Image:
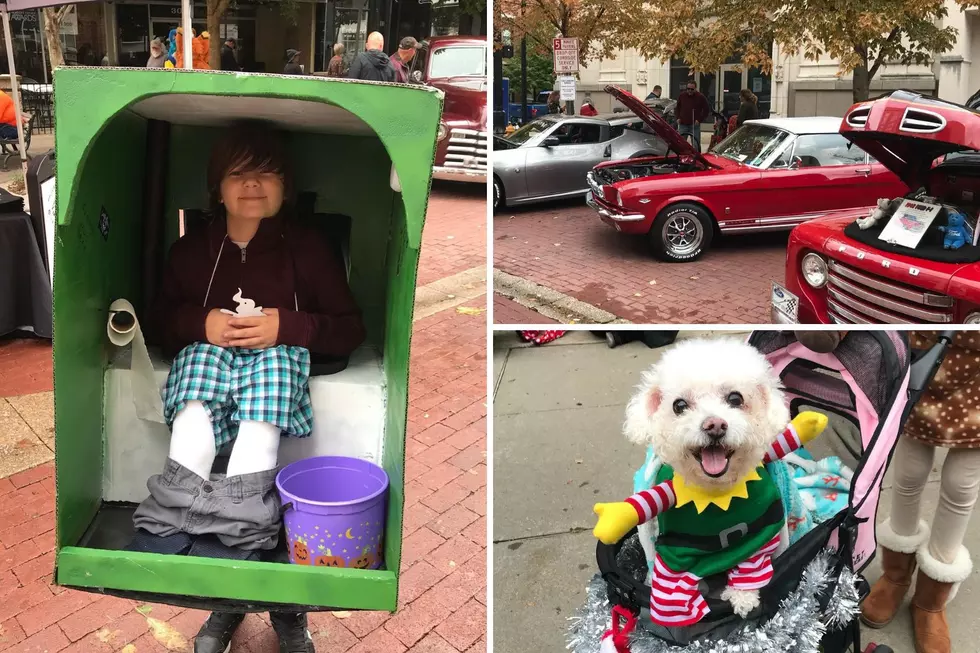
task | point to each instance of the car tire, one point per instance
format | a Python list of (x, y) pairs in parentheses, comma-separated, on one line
[(681, 233), (499, 198)]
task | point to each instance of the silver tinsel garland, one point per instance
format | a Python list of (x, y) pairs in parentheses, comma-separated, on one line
[(799, 625)]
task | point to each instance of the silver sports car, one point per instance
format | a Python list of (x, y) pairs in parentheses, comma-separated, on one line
[(549, 157)]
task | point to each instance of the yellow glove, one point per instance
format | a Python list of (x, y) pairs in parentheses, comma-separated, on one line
[(615, 521), (809, 425)]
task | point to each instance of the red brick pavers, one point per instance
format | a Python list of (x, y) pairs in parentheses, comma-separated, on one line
[(455, 235), (507, 311), (565, 247), (25, 366), (442, 594)]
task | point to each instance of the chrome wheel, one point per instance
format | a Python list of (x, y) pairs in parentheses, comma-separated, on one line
[(682, 234), (496, 194)]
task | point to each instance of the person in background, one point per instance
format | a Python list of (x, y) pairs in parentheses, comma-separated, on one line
[(157, 54), (372, 64), (554, 105), (655, 93), (8, 118), (749, 109), (587, 108), (336, 66), (692, 108), (229, 57), (292, 63), (401, 59)]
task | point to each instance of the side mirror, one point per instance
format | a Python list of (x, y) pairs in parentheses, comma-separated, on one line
[(608, 151), (551, 141), (417, 76), (796, 163)]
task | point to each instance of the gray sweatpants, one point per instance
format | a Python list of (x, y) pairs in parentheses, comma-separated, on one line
[(242, 511)]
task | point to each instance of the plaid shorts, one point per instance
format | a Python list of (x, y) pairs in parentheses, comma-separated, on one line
[(236, 384)]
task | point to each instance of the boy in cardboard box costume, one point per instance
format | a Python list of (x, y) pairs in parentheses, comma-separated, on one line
[(245, 301)]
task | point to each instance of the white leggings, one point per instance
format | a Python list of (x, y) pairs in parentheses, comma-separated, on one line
[(959, 486)]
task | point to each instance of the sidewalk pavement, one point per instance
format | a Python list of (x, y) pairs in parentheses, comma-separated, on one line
[(558, 449), (443, 587)]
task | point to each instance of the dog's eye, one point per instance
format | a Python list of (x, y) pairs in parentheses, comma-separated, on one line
[(680, 406), (735, 399)]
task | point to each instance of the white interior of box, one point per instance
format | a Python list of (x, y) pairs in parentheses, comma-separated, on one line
[(348, 420), (285, 113)]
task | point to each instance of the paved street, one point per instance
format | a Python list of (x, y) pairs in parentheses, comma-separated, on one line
[(558, 448), (442, 593), (564, 246)]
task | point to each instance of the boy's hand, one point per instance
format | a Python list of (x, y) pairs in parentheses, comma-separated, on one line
[(615, 521), (254, 332), (216, 327)]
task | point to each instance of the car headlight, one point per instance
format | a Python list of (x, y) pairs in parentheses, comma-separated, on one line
[(443, 132), (814, 270), (972, 318)]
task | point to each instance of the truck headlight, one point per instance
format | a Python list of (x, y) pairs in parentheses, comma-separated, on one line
[(972, 318), (443, 132), (814, 270)]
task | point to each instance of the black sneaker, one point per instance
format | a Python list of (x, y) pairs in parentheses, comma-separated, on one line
[(293, 632), (215, 635)]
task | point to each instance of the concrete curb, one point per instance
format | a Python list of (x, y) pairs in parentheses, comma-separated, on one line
[(550, 303)]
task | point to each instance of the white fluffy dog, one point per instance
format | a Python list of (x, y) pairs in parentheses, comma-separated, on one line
[(713, 411), (700, 381)]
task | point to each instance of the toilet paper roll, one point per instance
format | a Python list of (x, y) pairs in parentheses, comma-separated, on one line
[(124, 329)]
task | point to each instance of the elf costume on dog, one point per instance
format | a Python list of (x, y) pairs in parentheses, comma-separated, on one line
[(703, 532)]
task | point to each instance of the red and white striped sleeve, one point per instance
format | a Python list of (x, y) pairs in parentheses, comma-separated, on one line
[(650, 503), (787, 442)]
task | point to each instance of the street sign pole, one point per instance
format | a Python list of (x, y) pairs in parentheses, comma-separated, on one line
[(566, 63)]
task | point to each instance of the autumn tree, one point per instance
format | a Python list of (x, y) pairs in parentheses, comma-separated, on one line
[(602, 26), (215, 12), (53, 17), (862, 36)]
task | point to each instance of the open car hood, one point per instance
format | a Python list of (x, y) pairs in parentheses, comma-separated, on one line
[(659, 126), (907, 132)]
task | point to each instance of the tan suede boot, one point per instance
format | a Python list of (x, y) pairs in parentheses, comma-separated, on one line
[(898, 566), (935, 586)]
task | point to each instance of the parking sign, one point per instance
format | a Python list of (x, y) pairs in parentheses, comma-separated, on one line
[(566, 55)]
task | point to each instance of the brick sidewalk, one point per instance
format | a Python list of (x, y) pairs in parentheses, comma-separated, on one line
[(507, 311), (442, 594), (456, 240), (564, 246)]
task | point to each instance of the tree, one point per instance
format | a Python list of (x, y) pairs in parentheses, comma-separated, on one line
[(540, 73), (53, 17), (602, 26), (862, 36), (216, 11)]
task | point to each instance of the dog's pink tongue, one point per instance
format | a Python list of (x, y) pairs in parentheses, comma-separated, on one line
[(713, 460)]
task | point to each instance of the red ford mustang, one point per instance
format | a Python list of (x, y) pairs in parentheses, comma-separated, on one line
[(768, 175)]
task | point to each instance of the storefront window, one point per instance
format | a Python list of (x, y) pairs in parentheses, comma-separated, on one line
[(81, 34)]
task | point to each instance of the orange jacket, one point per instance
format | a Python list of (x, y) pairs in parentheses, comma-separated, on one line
[(8, 114)]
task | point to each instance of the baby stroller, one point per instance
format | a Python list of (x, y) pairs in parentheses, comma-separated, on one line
[(870, 382)]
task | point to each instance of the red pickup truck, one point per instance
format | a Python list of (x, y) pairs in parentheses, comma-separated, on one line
[(839, 273), (457, 65)]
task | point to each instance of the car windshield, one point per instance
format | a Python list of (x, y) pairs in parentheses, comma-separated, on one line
[(530, 130), (752, 144), (458, 61)]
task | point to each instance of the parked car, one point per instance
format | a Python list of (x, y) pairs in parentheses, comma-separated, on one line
[(837, 273), (768, 175), (457, 65), (548, 158)]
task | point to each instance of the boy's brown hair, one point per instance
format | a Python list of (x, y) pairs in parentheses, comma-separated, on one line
[(248, 146)]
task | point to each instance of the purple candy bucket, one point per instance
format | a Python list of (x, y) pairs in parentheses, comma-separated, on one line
[(334, 511)]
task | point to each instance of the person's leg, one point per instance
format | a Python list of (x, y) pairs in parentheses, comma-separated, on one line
[(292, 629), (696, 133), (192, 441), (900, 535), (216, 633), (256, 448), (944, 562)]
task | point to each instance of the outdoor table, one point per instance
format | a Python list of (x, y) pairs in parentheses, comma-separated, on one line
[(25, 288)]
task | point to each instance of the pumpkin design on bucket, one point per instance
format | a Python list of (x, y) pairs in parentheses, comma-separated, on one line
[(363, 561), (329, 560), (301, 553)]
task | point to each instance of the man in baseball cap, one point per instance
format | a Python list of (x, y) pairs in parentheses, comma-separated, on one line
[(401, 60)]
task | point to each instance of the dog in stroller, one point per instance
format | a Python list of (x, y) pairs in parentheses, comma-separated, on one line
[(869, 383)]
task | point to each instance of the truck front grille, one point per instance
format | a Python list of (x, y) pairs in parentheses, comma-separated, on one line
[(467, 150), (857, 297)]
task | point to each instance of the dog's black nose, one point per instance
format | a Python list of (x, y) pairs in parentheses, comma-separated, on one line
[(715, 428)]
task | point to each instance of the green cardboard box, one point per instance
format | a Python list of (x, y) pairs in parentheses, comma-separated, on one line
[(132, 147)]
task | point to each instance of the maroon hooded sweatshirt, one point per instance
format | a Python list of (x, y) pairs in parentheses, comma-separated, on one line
[(284, 265)]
